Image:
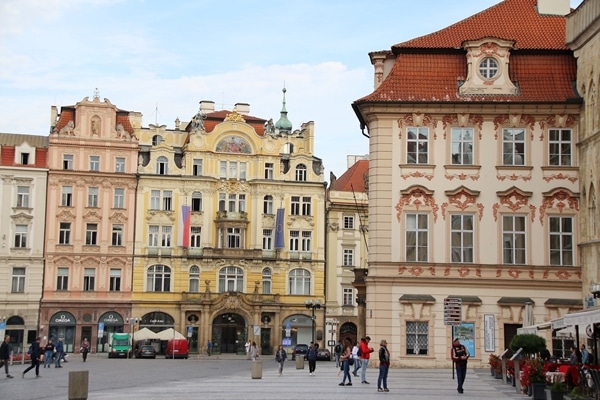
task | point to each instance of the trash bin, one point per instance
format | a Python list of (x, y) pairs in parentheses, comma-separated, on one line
[(300, 362), (257, 369)]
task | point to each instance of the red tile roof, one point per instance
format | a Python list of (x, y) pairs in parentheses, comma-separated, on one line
[(215, 118), (516, 20), (354, 178)]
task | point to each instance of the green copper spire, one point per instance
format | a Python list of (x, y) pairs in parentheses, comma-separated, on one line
[(283, 125)]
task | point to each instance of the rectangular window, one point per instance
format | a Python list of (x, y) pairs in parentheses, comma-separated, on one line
[(348, 222), (62, 279), (462, 146), (222, 202), (67, 196), (513, 239), (197, 167), (269, 169), (195, 236), (294, 240), (119, 198), (295, 205), (197, 202), (306, 241), (117, 235), (561, 241), (417, 145), (348, 257), (115, 280), (18, 280), (417, 237), (267, 243), (23, 196), (64, 233), (461, 237), (93, 197), (560, 147), (348, 297), (242, 170), (91, 234), (306, 202), (21, 236), (233, 169), (155, 199), (222, 169), (167, 200), (167, 232), (94, 163), (513, 146), (234, 238), (120, 165), (89, 279), (67, 161), (153, 235), (417, 338), (25, 158)]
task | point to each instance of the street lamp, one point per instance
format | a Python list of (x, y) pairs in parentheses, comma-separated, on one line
[(132, 322), (312, 305)]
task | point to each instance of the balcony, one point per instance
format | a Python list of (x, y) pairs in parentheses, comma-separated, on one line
[(232, 216)]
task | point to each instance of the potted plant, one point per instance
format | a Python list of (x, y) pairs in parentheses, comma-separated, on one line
[(533, 376), (531, 344), (556, 391), (576, 394), (495, 365)]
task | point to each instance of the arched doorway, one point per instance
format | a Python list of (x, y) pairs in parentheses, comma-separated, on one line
[(62, 325), (112, 322), (349, 330), (229, 333), (296, 329), (15, 328)]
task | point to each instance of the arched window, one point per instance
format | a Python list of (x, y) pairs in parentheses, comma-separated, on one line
[(301, 173), (231, 279), (158, 278), (267, 274), (268, 205), (299, 281), (197, 201), (162, 165), (194, 279), (156, 140)]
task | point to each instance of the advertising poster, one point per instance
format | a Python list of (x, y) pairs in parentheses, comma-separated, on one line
[(465, 332)]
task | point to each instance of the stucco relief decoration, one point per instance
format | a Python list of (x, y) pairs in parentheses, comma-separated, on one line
[(68, 129), (513, 199), (231, 302), (417, 174), (417, 119), (559, 199), (333, 227), (95, 126), (462, 120), (121, 133), (233, 144), (560, 176), (557, 121), (65, 215), (462, 198), (234, 116), (233, 186), (513, 121), (416, 271), (417, 197), (463, 271), (514, 273)]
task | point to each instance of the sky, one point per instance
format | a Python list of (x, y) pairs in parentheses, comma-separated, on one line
[(161, 58)]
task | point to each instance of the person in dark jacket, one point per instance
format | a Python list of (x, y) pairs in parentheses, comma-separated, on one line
[(36, 354), (5, 355), (281, 357), (459, 355), (384, 366), (60, 352), (312, 358)]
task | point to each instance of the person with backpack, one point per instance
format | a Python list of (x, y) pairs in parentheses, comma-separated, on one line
[(356, 357), (35, 353), (338, 352), (311, 355)]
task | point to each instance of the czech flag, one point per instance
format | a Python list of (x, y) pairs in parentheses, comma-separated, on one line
[(183, 238)]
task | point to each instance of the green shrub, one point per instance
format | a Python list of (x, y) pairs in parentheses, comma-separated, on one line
[(529, 342)]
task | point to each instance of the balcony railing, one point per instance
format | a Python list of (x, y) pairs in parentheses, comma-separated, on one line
[(232, 215)]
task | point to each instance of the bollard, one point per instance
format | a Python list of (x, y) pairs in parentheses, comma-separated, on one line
[(78, 385), (300, 362), (257, 369)]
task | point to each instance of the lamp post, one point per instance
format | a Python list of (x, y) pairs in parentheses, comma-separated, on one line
[(312, 305), (132, 322), (332, 323)]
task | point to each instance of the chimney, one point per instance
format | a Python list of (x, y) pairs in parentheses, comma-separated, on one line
[(242, 108), (554, 7), (207, 106), (53, 116)]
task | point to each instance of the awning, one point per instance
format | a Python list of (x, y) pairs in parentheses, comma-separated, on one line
[(583, 318), (533, 329)]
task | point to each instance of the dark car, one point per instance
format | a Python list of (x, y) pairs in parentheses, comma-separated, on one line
[(146, 351), (300, 349), (324, 355)]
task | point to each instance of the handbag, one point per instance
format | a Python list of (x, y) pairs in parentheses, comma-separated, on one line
[(351, 361)]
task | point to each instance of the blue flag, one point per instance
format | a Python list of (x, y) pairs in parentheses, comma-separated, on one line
[(279, 239)]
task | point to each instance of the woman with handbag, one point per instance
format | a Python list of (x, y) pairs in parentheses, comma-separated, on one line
[(346, 359)]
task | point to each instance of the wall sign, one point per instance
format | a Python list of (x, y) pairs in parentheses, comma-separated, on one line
[(489, 332)]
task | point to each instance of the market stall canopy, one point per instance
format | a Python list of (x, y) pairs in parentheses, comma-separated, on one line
[(145, 334), (533, 329), (169, 334), (586, 317)]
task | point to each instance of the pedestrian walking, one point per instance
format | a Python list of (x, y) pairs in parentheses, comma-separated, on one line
[(585, 355), (356, 358), (459, 355), (48, 353), (209, 347), (345, 360), (247, 346), (5, 355), (384, 366), (85, 349), (365, 355), (281, 357), (338, 353), (311, 355), (253, 351), (35, 353), (60, 352)]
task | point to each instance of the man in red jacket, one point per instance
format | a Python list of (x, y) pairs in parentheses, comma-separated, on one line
[(365, 355)]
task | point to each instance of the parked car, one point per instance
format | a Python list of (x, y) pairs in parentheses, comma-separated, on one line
[(146, 351), (300, 349), (324, 355)]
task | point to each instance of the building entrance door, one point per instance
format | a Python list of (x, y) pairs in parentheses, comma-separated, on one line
[(229, 334)]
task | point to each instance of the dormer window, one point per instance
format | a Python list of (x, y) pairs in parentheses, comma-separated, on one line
[(488, 68), (25, 158)]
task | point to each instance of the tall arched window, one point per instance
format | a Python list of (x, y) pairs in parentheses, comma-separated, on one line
[(194, 279), (301, 173), (156, 140), (299, 281), (267, 275), (231, 279), (268, 204), (162, 165), (158, 278)]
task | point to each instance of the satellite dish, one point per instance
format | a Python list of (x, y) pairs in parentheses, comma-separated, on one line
[(590, 331)]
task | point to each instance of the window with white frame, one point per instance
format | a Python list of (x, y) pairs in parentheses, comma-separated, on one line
[(94, 163), (18, 280), (348, 222), (23, 196), (167, 200), (158, 278), (306, 205), (64, 233), (301, 173), (348, 297), (117, 235), (197, 167), (560, 147), (417, 338), (153, 233), (299, 281), (155, 199), (91, 234), (513, 146), (348, 257), (119, 198), (231, 279), (294, 240), (194, 286), (513, 239), (269, 170), (21, 236), (462, 146), (120, 164), (268, 204), (234, 238), (24, 158), (267, 242), (93, 197), (306, 241), (561, 240), (167, 232), (89, 279), (162, 165), (62, 279), (232, 170), (417, 145), (68, 161), (66, 199), (462, 236), (195, 236), (115, 280), (295, 205), (196, 202), (232, 202), (417, 237), (267, 280)]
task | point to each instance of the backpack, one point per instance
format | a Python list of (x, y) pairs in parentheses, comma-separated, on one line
[(30, 351), (358, 353), (338, 348)]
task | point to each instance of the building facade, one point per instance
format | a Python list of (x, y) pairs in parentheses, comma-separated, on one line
[(23, 175), (473, 184)]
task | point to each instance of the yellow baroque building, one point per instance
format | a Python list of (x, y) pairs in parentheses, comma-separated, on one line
[(229, 242)]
